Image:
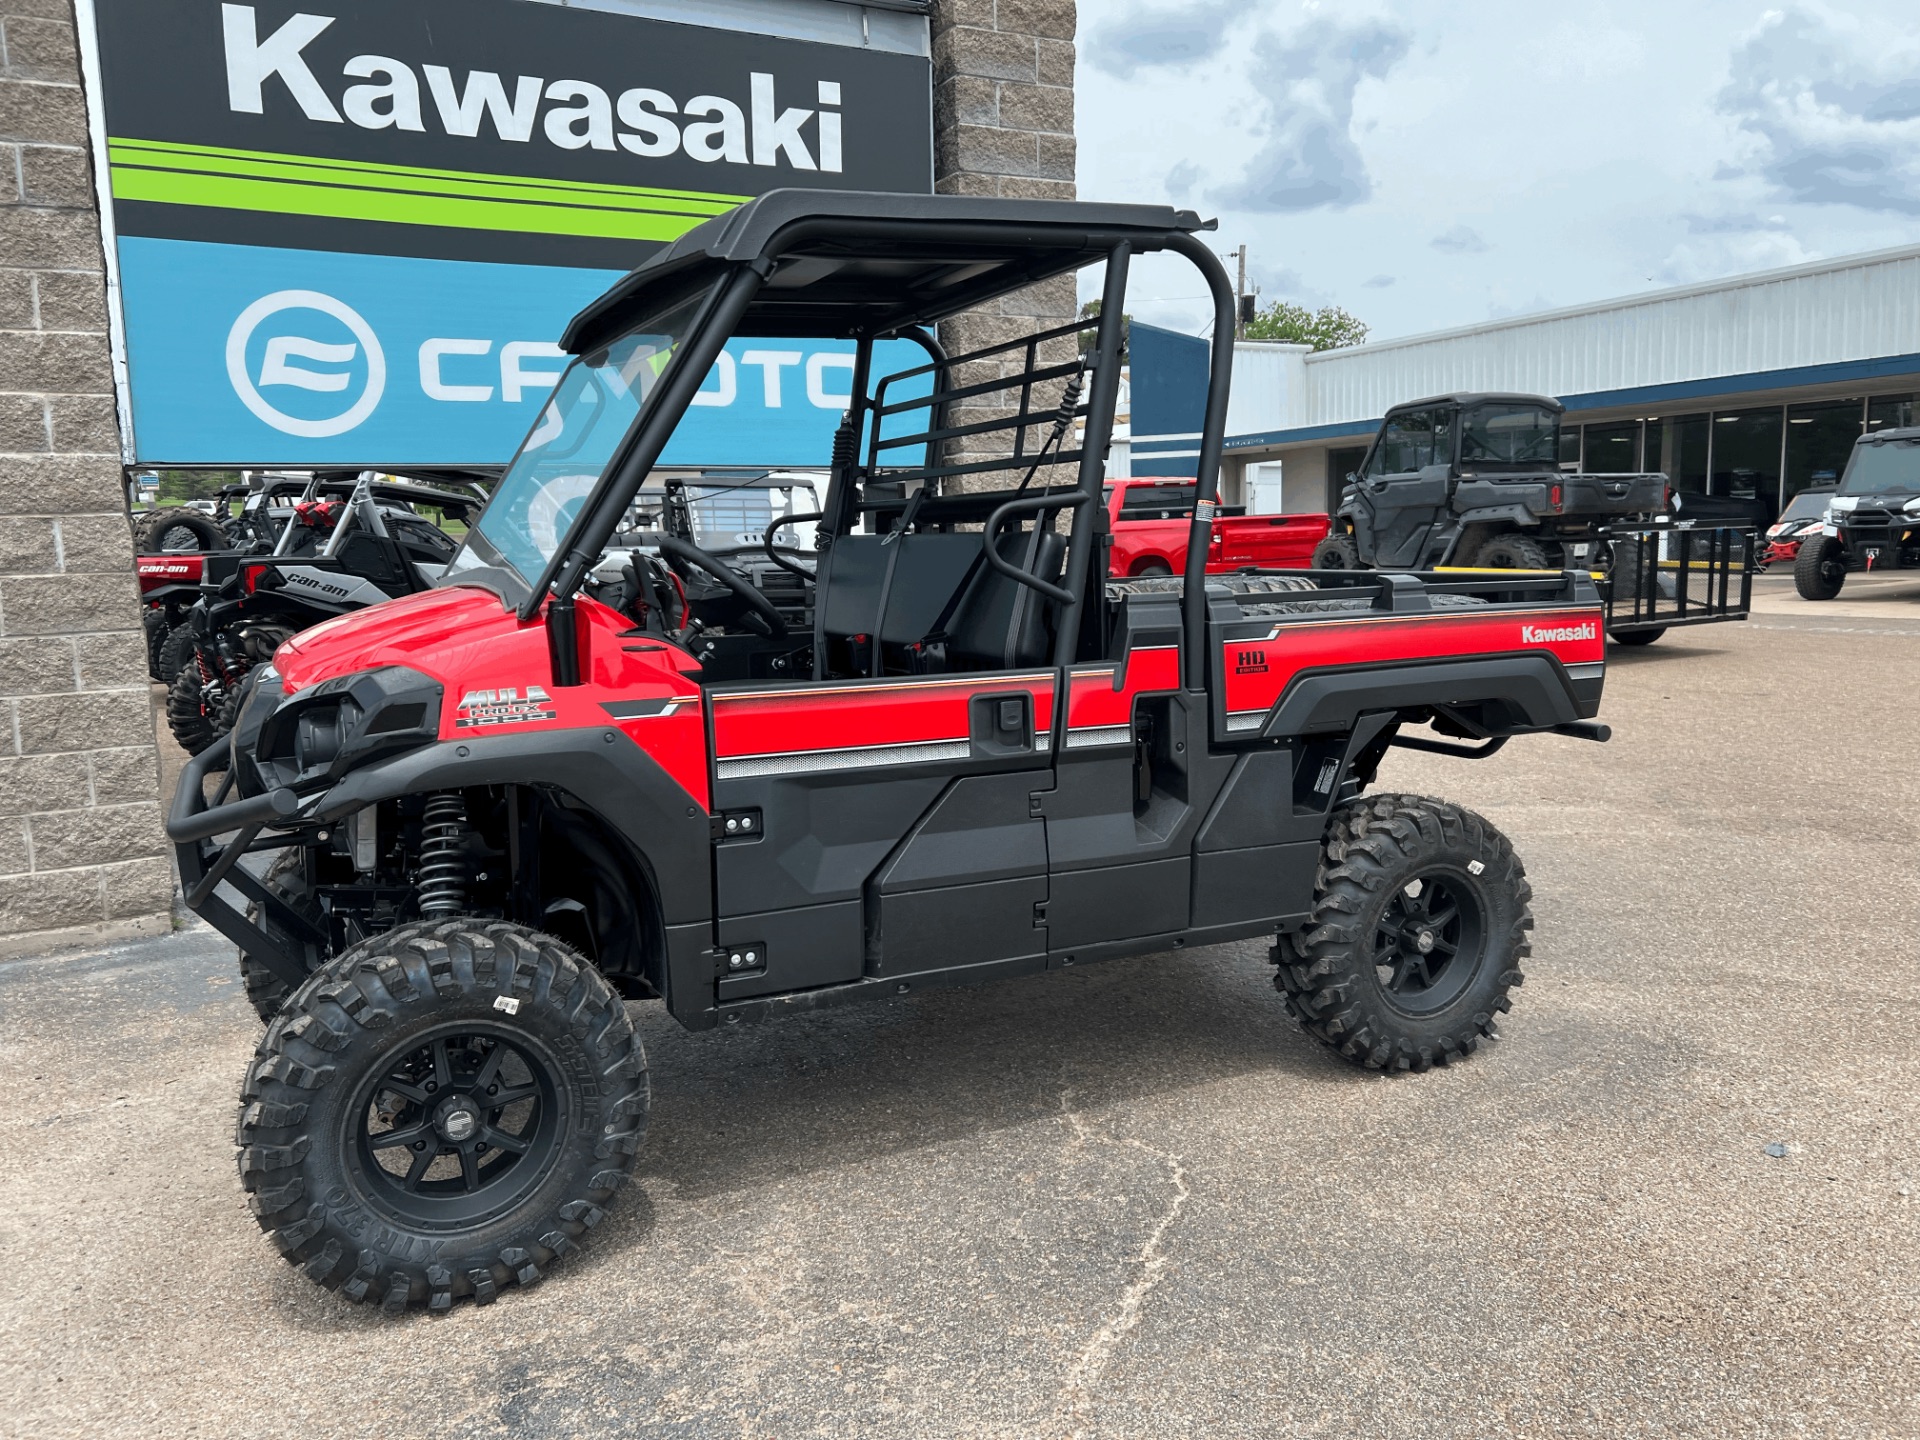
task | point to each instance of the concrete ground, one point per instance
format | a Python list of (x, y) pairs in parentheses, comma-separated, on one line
[(1133, 1200)]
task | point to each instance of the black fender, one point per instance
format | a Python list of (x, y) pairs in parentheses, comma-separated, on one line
[(1535, 689)]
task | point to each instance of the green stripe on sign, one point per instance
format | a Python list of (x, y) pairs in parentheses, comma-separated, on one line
[(175, 174)]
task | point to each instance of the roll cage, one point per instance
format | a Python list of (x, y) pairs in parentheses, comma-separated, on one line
[(919, 451)]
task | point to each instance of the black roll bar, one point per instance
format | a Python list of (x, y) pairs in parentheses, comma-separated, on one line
[(1193, 594)]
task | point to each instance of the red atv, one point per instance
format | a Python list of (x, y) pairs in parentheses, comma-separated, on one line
[(591, 766)]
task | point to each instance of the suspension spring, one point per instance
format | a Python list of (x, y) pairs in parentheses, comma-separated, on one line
[(443, 855)]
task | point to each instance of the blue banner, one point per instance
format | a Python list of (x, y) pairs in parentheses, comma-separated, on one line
[(252, 356)]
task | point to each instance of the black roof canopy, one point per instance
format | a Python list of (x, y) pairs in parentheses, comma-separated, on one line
[(845, 263), (1467, 399)]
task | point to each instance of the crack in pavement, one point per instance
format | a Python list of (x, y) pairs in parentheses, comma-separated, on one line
[(1076, 1390)]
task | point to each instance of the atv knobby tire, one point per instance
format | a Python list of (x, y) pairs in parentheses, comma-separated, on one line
[(1336, 552), (402, 1035), (1820, 569), (176, 653), (179, 529), (1360, 977), (287, 879), (1512, 551), (193, 723)]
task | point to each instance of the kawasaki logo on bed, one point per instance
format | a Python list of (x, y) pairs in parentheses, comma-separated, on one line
[(1554, 634), (352, 232)]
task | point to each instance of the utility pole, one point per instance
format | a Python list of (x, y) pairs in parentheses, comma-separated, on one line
[(1239, 298)]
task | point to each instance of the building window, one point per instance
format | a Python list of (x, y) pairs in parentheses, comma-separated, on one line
[(1343, 466), (1613, 449), (1892, 412), (1677, 448), (1746, 458), (1819, 439), (1569, 444)]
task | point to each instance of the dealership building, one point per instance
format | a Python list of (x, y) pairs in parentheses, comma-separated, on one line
[(1752, 388)]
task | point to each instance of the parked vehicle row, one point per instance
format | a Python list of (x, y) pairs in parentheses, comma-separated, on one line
[(1870, 522)]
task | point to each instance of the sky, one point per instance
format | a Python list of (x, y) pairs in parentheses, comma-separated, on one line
[(1429, 165)]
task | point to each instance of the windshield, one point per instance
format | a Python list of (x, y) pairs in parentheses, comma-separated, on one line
[(596, 403), (1510, 434), (1807, 505), (1883, 467)]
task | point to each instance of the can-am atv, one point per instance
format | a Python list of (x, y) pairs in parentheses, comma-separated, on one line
[(551, 783), (336, 553), (1872, 522)]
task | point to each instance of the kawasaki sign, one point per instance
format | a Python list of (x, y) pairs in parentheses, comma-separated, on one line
[(350, 233)]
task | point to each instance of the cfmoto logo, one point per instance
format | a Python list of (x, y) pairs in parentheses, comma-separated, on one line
[(294, 360)]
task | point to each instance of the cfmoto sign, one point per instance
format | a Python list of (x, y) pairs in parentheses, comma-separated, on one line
[(300, 354)]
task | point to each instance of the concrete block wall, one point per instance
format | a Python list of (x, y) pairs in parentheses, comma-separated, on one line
[(80, 838), (1003, 125)]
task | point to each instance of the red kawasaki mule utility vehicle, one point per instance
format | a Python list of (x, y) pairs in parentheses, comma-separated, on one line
[(590, 765)]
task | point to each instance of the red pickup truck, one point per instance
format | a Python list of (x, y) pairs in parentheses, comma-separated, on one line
[(1150, 520)]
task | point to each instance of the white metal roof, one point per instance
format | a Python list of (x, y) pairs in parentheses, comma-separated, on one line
[(1856, 308)]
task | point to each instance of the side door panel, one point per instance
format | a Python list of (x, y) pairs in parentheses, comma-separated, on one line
[(833, 783)]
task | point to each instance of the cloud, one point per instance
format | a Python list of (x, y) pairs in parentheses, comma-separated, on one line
[(1831, 111), (1146, 36), (1460, 240), (1715, 255), (1378, 282), (1181, 179), (1308, 158)]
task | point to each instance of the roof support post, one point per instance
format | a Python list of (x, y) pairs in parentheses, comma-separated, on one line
[(1101, 406), (1206, 495)]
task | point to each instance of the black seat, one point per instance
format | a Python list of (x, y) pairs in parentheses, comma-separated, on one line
[(998, 623)]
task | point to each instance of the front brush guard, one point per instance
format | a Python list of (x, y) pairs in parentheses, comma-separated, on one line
[(195, 826)]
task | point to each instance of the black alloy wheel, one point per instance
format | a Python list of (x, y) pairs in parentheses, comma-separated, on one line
[(1427, 942), (457, 1125)]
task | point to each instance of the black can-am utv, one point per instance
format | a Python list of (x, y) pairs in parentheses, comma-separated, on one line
[(506, 803)]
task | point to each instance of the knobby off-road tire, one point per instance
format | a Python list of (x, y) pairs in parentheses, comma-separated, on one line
[(286, 877), (1819, 570), (1512, 551), (1392, 869), (405, 1033), (193, 723), (179, 529), (176, 653), (1336, 552)]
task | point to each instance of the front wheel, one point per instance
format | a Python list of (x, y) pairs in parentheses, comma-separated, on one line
[(440, 1112), (1336, 552), (1419, 925), (1820, 569)]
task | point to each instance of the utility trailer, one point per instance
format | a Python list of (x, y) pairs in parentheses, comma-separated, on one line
[(506, 804)]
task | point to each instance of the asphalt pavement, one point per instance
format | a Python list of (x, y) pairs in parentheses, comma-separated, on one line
[(1127, 1200)]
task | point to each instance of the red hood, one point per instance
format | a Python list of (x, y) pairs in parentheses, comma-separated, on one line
[(468, 639)]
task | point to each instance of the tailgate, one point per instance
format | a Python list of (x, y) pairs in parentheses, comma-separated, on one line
[(1283, 542), (1614, 494)]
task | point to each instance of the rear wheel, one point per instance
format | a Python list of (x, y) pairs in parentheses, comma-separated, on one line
[(1638, 637), (179, 529), (1336, 552), (1419, 926), (194, 710), (1512, 551), (441, 1112), (1820, 569), (176, 653)]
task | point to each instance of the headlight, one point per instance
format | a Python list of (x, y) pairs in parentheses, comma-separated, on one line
[(1912, 507), (1840, 504), (323, 731)]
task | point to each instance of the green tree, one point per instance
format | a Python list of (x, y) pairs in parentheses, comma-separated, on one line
[(1328, 328), (179, 486), (1090, 338)]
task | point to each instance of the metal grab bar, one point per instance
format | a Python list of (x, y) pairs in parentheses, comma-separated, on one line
[(1059, 593)]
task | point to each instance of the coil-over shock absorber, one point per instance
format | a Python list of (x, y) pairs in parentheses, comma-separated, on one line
[(443, 855)]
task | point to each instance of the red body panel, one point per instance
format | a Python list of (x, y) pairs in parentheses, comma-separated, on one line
[(1103, 695), (864, 715), (1258, 671), (497, 673), (1268, 542), (156, 572)]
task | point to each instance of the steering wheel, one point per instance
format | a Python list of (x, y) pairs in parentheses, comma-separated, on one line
[(761, 607)]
